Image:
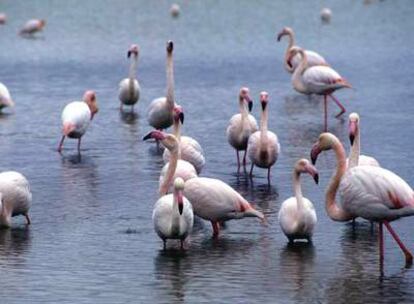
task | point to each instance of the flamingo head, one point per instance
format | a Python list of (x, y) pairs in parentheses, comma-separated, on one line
[(325, 142), (170, 46), (178, 193), (169, 141), (285, 31), (304, 166), (133, 50), (90, 98), (353, 126), (179, 114), (42, 23), (264, 99), (245, 97)]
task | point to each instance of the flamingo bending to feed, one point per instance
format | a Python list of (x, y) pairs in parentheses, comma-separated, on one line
[(5, 98), (76, 117), (373, 193), (161, 110), (175, 167), (3, 18), (15, 197), (320, 80), (190, 149), (355, 159), (173, 215), (129, 89), (215, 201), (241, 125), (297, 216), (292, 61), (326, 15), (263, 146), (32, 26)]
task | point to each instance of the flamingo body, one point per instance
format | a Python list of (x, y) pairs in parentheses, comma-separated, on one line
[(238, 131), (314, 59), (184, 169), (5, 98), (126, 95), (263, 158), (32, 26), (78, 115), (322, 80), (160, 114)]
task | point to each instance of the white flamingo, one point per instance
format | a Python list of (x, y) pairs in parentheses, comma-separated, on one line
[(175, 167), (321, 80), (216, 201), (160, 111), (242, 125), (173, 215), (129, 89), (15, 197), (263, 146), (355, 159), (292, 60), (5, 98), (3, 18), (370, 192), (76, 117), (32, 26), (326, 15), (297, 216), (190, 149)]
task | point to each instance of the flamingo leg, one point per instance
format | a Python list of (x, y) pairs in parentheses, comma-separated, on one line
[(381, 245), (238, 159), (343, 110), (61, 144), (216, 229), (407, 253), (326, 112), (164, 247), (79, 144), (268, 175), (251, 170), (244, 158), (182, 244), (28, 219)]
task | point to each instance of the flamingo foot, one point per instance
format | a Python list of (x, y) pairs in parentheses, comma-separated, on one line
[(216, 229)]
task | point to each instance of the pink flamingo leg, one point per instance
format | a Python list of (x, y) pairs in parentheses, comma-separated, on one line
[(343, 110), (325, 99), (216, 229), (61, 144), (244, 158), (28, 219), (407, 253), (268, 175), (238, 159), (251, 170), (79, 144), (381, 245)]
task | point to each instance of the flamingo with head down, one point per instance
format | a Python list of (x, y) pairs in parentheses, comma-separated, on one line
[(129, 89), (5, 98), (370, 192), (32, 26)]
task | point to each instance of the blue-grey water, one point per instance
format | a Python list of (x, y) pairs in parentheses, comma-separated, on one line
[(91, 238)]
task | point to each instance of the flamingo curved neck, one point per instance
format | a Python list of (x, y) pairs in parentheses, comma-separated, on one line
[(170, 81), (243, 111), (297, 189), (334, 211), (263, 128), (291, 43), (297, 74), (172, 166), (355, 151), (131, 74), (175, 222), (177, 129)]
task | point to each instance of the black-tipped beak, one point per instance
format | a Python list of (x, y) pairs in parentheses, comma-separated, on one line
[(148, 136), (264, 104), (250, 105), (316, 178), (351, 138), (180, 208), (279, 36), (170, 46), (181, 117), (314, 153), (129, 54)]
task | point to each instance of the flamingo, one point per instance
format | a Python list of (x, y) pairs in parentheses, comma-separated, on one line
[(3, 18), (76, 117), (292, 61), (190, 149), (175, 10), (355, 159), (326, 15), (263, 146), (370, 192), (32, 26), (173, 215), (297, 216), (175, 167), (15, 197), (321, 80), (242, 125), (129, 89), (5, 98), (160, 111), (216, 201)]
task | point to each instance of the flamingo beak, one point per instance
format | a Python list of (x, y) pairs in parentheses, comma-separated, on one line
[(181, 117), (180, 202), (158, 135), (129, 54), (280, 35), (352, 131), (316, 150), (264, 104), (170, 46), (313, 172)]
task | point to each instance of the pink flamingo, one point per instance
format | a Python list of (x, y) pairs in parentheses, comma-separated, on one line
[(129, 89), (320, 80), (32, 26), (3, 18), (373, 193)]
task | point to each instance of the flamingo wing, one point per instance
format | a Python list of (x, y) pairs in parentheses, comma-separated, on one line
[(313, 58)]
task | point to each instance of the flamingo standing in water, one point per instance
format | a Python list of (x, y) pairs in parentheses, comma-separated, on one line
[(161, 110), (76, 117), (190, 149), (263, 146), (15, 197), (32, 26), (292, 61), (129, 89), (355, 159), (173, 215), (242, 125), (176, 167), (5, 98), (321, 80), (216, 201), (370, 192), (297, 216), (3, 18)]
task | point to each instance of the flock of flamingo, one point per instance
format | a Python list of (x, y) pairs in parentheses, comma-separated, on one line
[(365, 189)]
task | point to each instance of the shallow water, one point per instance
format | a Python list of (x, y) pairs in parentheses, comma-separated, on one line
[(92, 238)]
